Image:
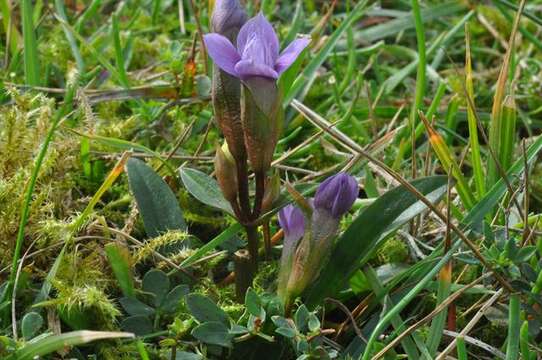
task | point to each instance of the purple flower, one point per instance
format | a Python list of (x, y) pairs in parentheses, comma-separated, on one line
[(228, 18), (292, 222), (337, 194), (257, 52)]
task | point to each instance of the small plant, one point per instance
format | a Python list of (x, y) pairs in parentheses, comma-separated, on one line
[(159, 300)]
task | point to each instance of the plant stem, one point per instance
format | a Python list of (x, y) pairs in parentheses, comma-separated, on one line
[(242, 183), (244, 273), (260, 190), (252, 239)]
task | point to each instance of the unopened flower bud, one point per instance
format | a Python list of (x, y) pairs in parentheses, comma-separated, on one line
[(226, 172), (292, 222), (336, 194), (272, 192), (227, 19)]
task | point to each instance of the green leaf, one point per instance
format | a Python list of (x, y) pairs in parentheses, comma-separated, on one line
[(53, 343), (219, 239), (368, 231), (286, 332), (156, 202), (183, 355), (314, 323), (309, 73), (301, 317), (213, 332), (30, 324), (119, 259), (253, 302), (30, 49), (204, 188), (156, 282), (138, 324), (135, 307), (174, 297), (205, 310)]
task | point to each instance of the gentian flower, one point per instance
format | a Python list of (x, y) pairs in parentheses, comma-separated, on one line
[(337, 194), (306, 253), (292, 222), (257, 52)]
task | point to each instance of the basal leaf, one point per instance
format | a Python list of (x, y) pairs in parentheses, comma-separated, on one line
[(205, 310), (156, 202)]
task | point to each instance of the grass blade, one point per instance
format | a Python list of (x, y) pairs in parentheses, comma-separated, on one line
[(449, 164), (61, 11), (496, 126), (224, 235), (309, 72), (476, 160), (119, 55), (514, 323), (31, 58), (9, 26), (508, 133), (53, 343), (461, 349), (407, 343)]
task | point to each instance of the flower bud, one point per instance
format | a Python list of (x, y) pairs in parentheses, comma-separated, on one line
[(333, 199), (272, 192), (262, 117), (337, 194), (227, 19), (292, 222), (226, 173)]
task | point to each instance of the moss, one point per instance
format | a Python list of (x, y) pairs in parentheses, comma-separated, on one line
[(392, 251)]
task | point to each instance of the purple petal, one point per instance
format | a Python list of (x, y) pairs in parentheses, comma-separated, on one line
[(222, 52), (258, 38), (228, 18), (248, 68), (292, 221), (290, 54), (337, 194), (346, 197)]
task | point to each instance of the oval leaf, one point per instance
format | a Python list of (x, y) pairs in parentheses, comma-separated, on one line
[(156, 282), (30, 325), (156, 202), (205, 310), (204, 188), (214, 333), (139, 325)]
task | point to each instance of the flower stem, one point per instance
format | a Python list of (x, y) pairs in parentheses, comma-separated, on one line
[(242, 183), (260, 190), (252, 239)]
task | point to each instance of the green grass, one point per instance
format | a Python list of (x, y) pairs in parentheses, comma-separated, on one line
[(443, 95)]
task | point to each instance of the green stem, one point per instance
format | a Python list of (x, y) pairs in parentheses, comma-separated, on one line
[(514, 326)]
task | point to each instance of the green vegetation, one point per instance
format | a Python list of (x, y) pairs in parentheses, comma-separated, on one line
[(123, 237)]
